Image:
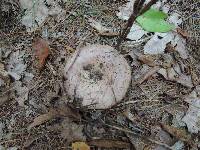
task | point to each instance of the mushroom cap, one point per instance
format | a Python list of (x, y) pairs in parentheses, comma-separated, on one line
[(98, 76)]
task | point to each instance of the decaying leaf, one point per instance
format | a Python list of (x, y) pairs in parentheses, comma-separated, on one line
[(178, 146), (175, 19), (38, 11), (42, 119), (192, 117), (21, 93), (138, 142), (16, 67), (31, 140), (136, 32), (154, 21), (157, 44), (180, 134), (148, 74), (63, 111), (4, 78), (71, 131), (179, 44), (4, 98), (126, 10), (175, 74), (107, 143), (161, 136), (159, 41), (104, 31), (148, 59), (41, 50), (80, 146)]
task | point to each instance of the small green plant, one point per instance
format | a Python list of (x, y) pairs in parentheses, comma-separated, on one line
[(154, 21)]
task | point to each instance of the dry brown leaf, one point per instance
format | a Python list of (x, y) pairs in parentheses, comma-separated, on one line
[(178, 133), (4, 98), (107, 143), (43, 118), (5, 95), (71, 131), (104, 31), (63, 111), (41, 50), (67, 111), (147, 59), (148, 74), (182, 32), (30, 141), (170, 48), (4, 75), (80, 146), (174, 74)]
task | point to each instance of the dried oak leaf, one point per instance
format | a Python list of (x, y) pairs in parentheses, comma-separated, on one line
[(41, 50)]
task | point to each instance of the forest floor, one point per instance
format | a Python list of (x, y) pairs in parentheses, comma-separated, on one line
[(35, 112)]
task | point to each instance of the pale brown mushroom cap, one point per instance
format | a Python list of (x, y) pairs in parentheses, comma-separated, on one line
[(98, 76)]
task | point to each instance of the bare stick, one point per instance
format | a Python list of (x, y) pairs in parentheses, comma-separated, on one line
[(137, 10), (147, 6)]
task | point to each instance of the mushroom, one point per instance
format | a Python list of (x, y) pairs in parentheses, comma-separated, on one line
[(97, 76)]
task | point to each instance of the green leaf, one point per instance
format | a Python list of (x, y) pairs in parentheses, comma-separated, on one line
[(153, 21)]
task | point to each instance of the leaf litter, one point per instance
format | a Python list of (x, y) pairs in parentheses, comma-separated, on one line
[(36, 12), (157, 43), (162, 67)]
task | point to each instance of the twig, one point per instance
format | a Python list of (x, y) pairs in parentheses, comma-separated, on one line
[(129, 24), (147, 6), (145, 138), (137, 11)]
